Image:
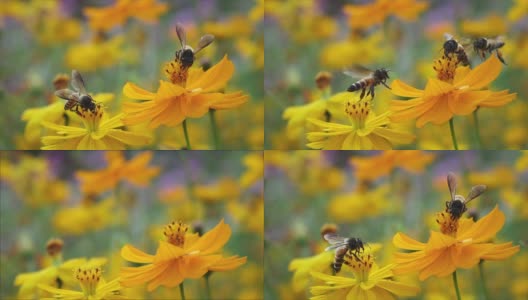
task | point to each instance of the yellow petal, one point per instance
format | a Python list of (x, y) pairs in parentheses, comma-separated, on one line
[(482, 75), (403, 241), (230, 263), (167, 252), (467, 102), (485, 228), (231, 100), (213, 240), (398, 288), (215, 78), (135, 92), (128, 252), (400, 88)]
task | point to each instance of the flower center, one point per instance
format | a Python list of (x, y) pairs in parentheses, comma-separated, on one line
[(175, 233), (88, 277), (358, 111), (445, 67), (360, 263), (176, 73), (448, 224), (91, 119)]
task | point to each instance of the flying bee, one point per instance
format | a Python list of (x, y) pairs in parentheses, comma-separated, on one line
[(369, 79), (457, 206), (186, 54), (481, 45), (342, 246), (453, 46), (78, 98)]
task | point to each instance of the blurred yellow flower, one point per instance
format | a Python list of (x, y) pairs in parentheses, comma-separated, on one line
[(521, 165), (358, 205), (95, 55), (369, 282), (516, 200), (235, 27), (254, 163), (105, 18), (367, 15), (225, 189), (249, 214), (302, 267), (94, 287), (490, 26), (135, 171), (55, 29), (518, 10), (366, 132), (356, 49), (177, 100), (462, 246), (31, 178), (182, 256), (498, 177), (252, 49), (382, 164), (456, 92), (100, 132)]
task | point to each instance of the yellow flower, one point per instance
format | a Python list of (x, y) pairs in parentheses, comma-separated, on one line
[(492, 25), (226, 189), (456, 92), (135, 171), (521, 165), (498, 177), (369, 282), (359, 204), (234, 27), (255, 170), (367, 15), (303, 266), (366, 132), (105, 18), (181, 256), (382, 164), (460, 244), (249, 214), (56, 29), (93, 286), (518, 10), (95, 55), (182, 98)]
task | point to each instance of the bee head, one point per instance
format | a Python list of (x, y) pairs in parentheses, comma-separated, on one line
[(354, 243), (382, 74), (480, 43), (87, 102), (450, 46)]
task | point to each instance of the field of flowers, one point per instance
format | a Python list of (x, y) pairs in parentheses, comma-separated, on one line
[(146, 223), (448, 103), (125, 52), (395, 202)]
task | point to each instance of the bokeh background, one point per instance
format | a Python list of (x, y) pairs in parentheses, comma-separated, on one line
[(306, 37), (392, 191), (42, 198), (41, 39)]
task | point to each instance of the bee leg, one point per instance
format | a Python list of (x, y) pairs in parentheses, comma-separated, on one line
[(371, 92), (383, 82), (499, 56), (362, 94)]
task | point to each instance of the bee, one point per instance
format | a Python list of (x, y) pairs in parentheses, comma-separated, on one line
[(457, 206), (186, 54), (481, 45), (453, 46), (369, 79), (78, 98), (342, 246)]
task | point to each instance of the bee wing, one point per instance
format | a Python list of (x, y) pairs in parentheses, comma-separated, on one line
[(180, 31), (475, 192), (333, 238), (66, 94), (78, 82), (204, 42), (452, 184), (357, 71), (448, 36), (334, 247), (466, 43)]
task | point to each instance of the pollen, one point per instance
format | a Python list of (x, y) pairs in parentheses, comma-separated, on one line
[(175, 233), (88, 277), (445, 67), (176, 73), (358, 111), (360, 263), (448, 225)]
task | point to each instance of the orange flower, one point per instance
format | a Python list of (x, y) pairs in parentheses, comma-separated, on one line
[(461, 244), (179, 99), (457, 91), (367, 15), (135, 171), (181, 256), (374, 167)]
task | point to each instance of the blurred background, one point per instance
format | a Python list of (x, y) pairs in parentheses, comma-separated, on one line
[(306, 37), (42, 39), (127, 198), (373, 195)]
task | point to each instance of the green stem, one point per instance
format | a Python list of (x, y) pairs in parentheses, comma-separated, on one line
[(214, 128), (182, 293), (453, 137), (483, 280), (456, 285), (207, 287), (477, 129), (186, 135)]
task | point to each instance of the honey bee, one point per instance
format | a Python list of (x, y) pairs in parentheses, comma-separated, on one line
[(453, 46), (457, 206), (342, 246), (369, 79), (186, 54), (481, 45), (78, 98)]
